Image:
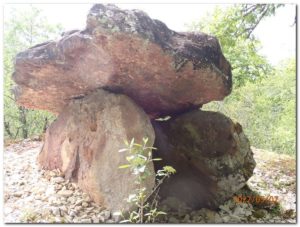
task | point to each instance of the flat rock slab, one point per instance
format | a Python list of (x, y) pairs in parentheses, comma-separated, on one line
[(211, 155), (124, 51), (84, 140)]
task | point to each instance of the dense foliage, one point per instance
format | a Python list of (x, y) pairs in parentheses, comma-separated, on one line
[(23, 29), (234, 28), (266, 109)]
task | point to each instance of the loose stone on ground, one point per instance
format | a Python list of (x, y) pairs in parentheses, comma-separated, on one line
[(31, 196)]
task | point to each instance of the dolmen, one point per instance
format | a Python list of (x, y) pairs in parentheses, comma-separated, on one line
[(111, 82)]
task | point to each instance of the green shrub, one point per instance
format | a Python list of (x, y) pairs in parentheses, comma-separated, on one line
[(138, 161)]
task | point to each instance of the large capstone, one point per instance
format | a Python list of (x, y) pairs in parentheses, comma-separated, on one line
[(211, 155), (124, 51), (84, 141)]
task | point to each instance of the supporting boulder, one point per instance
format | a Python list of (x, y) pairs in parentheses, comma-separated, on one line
[(84, 141), (211, 155)]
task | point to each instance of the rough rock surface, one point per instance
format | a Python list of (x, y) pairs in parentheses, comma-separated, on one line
[(211, 155), (84, 141), (124, 51)]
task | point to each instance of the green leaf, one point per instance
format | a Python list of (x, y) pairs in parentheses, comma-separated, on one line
[(142, 169), (126, 142), (169, 169), (130, 158), (161, 213), (131, 142), (124, 166), (142, 156), (145, 140)]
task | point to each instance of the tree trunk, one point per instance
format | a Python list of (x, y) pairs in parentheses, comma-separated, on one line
[(7, 129), (45, 125), (23, 121)]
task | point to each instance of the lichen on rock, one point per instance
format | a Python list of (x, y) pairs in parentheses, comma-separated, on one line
[(124, 51), (211, 154)]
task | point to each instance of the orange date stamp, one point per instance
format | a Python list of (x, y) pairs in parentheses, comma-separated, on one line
[(255, 199)]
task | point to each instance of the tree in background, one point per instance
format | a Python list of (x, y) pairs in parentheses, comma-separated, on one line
[(234, 27), (23, 29), (266, 109), (263, 98)]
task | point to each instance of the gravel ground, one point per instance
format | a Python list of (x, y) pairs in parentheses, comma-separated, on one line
[(32, 195)]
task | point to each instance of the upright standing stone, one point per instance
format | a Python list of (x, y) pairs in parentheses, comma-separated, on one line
[(84, 141)]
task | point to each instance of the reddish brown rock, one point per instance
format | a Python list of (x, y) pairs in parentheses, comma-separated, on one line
[(124, 51), (84, 141), (211, 155)]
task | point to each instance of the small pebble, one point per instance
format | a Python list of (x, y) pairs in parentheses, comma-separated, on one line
[(186, 218), (57, 180), (85, 204), (86, 220), (173, 220), (260, 213), (105, 214), (65, 193)]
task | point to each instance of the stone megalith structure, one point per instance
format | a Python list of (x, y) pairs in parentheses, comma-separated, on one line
[(107, 82)]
